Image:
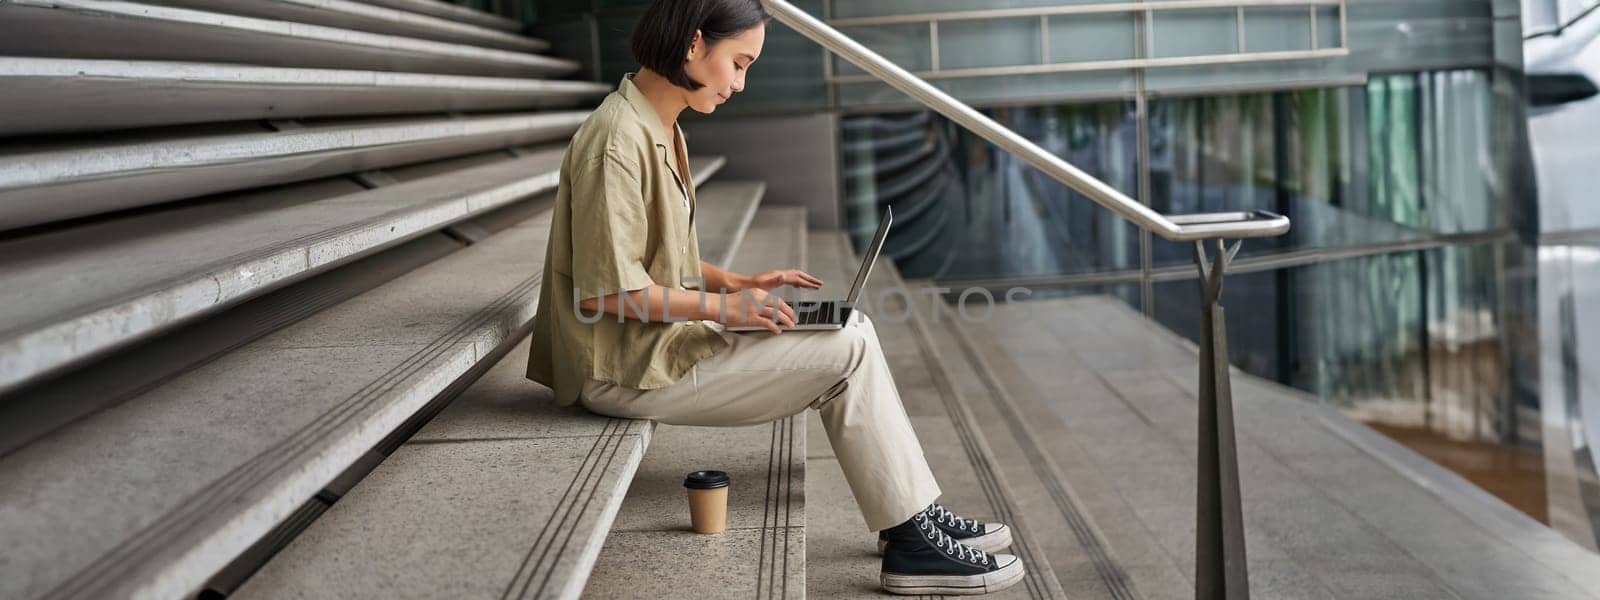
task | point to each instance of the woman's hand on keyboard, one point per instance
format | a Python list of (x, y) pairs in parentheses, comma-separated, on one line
[(781, 277), (755, 307)]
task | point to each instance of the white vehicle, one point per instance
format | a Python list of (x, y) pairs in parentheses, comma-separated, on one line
[(1561, 57)]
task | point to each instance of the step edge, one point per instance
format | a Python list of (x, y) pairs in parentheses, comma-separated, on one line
[(220, 284), (454, 12), (379, 15), (296, 32)]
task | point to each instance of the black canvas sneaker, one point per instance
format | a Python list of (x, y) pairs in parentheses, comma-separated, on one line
[(921, 559), (988, 537)]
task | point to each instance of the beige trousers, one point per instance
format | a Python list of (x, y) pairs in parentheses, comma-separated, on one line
[(763, 377)]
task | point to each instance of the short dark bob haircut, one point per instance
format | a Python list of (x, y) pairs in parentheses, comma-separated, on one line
[(661, 39)]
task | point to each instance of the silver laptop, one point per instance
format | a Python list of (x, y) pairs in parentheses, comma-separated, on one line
[(813, 315)]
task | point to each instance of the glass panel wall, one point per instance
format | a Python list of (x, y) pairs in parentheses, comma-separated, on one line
[(965, 209), (1389, 297), (1410, 339), (1405, 158)]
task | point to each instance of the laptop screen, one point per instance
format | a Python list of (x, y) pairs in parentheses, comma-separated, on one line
[(871, 256)]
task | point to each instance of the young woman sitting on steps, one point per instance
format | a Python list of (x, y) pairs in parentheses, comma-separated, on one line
[(623, 243)]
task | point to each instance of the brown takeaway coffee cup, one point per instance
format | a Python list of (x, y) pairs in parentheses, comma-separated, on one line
[(708, 501)]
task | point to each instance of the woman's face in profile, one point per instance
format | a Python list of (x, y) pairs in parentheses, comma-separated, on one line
[(721, 67)]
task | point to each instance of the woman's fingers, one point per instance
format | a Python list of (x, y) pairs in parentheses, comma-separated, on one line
[(781, 314), (782, 277), (771, 325), (786, 310), (803, 279)]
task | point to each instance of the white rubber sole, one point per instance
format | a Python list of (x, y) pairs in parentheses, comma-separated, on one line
[(991, 542), (956, 585)]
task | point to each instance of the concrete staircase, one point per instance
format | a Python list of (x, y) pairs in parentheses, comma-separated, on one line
[(267, 271), (293, 239), (518, 493)]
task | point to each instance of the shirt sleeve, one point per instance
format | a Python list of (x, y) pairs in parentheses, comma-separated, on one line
[(610, 228)]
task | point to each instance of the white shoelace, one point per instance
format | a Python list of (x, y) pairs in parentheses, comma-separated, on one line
[(945, 517), (950, 546)]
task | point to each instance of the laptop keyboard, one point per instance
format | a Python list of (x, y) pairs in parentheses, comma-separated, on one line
[(816, 313)]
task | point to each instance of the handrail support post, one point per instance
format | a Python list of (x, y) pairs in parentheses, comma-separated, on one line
[(1220, 568)]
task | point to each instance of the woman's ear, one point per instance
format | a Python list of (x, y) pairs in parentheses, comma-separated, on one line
[(695, 45)]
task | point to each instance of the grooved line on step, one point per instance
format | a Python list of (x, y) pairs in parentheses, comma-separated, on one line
[(570, 510), (117, 566), (778, 546), (548, 530), (772, 573), (999, 501), (597, 474), (766, 510), (1111, 574), (988, 479), (788, 503)]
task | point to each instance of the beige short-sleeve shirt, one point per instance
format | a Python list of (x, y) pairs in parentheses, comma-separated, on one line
[(623, 220)]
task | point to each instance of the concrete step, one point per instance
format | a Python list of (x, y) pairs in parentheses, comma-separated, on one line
[(724, 210), (1331, 508), (975, 482), (136, 277), (840, 558), (154, 496), (111, 29), (358, 16), (503, 493), (1061, 536), (34, 410), (56, 95), (455, 12), (652, 553), (519, 493), (776, 239), (46, 182)]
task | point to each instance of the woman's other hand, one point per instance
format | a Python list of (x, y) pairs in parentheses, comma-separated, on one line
[(781, 277), (756, 307)]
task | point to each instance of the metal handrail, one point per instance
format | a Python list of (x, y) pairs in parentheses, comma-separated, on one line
[(1176, 228)]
